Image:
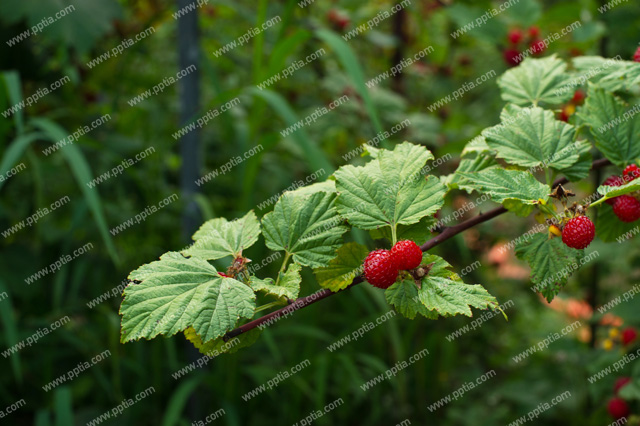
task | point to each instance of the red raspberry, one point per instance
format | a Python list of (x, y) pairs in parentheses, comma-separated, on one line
[(627, 208), (564, 115), (629, 335), (512, 57), (578, 97), (222, 274), (380, 268), (534, 32), (407, 254), (636, 56), (613, 181), (620, 383), (537, 46), (338, 19), (578, 232), (515, 36), (631, 172), (618, 408)]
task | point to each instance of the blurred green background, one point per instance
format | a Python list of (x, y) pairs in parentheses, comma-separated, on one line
[(95, 27)]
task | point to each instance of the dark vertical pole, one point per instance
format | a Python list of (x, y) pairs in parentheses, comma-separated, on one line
[(400, 32), (189, 89)]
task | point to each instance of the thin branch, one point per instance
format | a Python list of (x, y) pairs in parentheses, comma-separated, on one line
[(448, 233)]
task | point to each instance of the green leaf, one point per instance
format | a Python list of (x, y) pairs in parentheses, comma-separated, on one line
[(308, 227), (218, 238), (438, 267), (441, 292), (610, 192), (218, 346), (532, 137), (389, 190), (614, 130), (581, 168), (470, 164), (551, 262), (288, 286), (631, 390), (611, 229), (404, 297), (325, 186), (177, 292), (513, 188), (536, 81), (344, 268), (608, 73), (476, 146), (451, 297)]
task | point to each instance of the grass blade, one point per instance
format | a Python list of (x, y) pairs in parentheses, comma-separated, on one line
[(315, 157), (352, 67), (82, 173)]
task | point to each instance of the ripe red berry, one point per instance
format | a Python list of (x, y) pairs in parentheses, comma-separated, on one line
[(578, 232), (222, 274), (407, 254), (515, 36), (338, 19), (627, 208), (613, 181), (618, 408), (512, 57), (538, 46), (534, 32), (564, 115), (578, 97), (631, 172), (636, 56), (629, 335), (380, 268), (620, 383)]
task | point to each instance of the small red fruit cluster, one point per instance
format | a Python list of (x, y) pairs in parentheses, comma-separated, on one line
[(338, 19), (636, 56), (513, 55), (625, 207), (618, 407), (381, 267)]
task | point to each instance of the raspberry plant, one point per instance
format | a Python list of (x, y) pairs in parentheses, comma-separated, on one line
[(523, 163)]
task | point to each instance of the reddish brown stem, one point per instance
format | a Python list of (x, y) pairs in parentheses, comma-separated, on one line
[(448, 233)]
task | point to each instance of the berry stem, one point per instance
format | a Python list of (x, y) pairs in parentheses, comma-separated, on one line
[(448, 233)]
